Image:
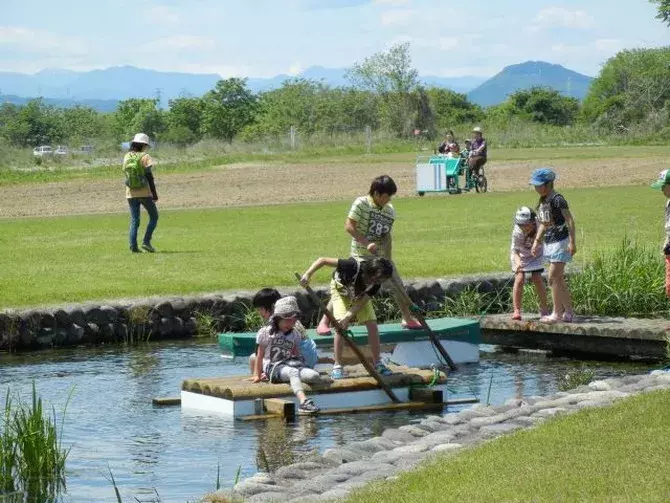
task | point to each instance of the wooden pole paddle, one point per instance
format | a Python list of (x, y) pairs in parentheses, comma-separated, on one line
[(400, 290), (350, 342)]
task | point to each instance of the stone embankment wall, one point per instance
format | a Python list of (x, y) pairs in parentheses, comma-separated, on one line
[(185, 317), (338, 471)]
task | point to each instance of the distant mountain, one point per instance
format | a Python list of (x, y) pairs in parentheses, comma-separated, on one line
[(459, 84), (529, 74), (99, 88), (115, 83), (123, 82), (99, 105)]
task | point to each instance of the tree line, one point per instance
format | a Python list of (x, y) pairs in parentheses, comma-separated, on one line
[(384, 93)]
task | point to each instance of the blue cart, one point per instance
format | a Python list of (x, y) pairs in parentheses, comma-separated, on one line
[(442, 173)]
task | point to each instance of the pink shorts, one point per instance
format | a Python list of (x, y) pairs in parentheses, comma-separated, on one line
[(667, 275)]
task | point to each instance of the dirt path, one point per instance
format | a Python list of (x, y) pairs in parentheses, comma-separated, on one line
[(258, 184)]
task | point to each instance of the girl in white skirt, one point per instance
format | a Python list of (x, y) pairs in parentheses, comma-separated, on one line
[(523, 260)]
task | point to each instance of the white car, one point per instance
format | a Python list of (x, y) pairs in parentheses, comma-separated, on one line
[(60, 150), (43, 151)]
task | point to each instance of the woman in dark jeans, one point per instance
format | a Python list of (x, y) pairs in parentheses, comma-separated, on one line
[(140, 191)]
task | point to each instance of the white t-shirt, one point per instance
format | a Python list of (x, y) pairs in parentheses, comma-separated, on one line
[(279, 346), (522, 244)]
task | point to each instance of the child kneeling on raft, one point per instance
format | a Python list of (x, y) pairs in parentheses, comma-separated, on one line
[(354, 283), (281, 340), (523, 260)]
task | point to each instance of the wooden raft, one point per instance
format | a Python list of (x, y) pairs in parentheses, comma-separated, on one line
[(240, 388)]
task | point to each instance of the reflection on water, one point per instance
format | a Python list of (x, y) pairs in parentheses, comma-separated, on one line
[(111, 423)]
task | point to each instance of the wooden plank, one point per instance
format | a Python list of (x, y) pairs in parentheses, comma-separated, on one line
[(240, 388), (389, 407), (426, 395), (166, 401), (382, 407), (279, 407), (258, 417), (461, 401), (350, 342)]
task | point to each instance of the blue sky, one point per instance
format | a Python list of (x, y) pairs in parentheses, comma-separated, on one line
[(261, 38)]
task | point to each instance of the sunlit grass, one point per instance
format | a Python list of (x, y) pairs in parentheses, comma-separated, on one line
[(71, 259), (614, 454)]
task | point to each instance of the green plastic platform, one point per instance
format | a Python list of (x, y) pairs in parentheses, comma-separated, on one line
[(452, 329)]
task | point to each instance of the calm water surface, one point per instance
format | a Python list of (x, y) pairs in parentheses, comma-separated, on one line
[(110, 423)]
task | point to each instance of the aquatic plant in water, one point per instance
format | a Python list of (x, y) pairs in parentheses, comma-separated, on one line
[(32, 459)]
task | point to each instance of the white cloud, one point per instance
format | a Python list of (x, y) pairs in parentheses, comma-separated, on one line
[(396, 17), (163, 14), (559, 17), (603, 45), (609, 45), (295, 69), (401, 39), (40, 41), (391, 3)]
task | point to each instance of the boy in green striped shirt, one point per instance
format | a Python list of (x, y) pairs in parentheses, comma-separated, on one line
[(370, 222)]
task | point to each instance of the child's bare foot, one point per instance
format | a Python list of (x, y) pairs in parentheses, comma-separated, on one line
[(323, 329), (552, 318), (411, 324), (516, 315)]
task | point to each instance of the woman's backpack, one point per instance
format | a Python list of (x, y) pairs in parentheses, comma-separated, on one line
[(134, 170)]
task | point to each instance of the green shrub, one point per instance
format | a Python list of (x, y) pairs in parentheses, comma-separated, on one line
[(627, 281), (576, 378)]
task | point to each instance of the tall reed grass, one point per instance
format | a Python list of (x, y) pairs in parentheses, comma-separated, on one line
[(626, 281), (32, 459)]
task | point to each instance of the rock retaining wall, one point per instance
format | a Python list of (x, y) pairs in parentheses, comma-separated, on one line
[(333, 475), (186, 317)]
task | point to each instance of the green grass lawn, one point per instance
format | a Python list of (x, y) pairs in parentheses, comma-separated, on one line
[(48, 261), (61, 171), (613, 454)]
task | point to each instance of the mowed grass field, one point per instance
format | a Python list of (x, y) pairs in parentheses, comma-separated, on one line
[(58, 260), (606, 454)]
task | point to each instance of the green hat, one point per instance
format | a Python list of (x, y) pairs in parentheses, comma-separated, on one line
[(663, 179)]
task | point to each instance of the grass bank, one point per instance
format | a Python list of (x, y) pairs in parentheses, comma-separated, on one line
[(171, 160), (612, 454), (50, 261)]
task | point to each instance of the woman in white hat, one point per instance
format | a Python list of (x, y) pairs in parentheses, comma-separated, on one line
[(140, 191)]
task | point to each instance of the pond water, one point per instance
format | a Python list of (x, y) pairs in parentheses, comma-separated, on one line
[(111, 424)]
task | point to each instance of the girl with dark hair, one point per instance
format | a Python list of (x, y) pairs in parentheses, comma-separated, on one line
[(353, 284), (140, 191)]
